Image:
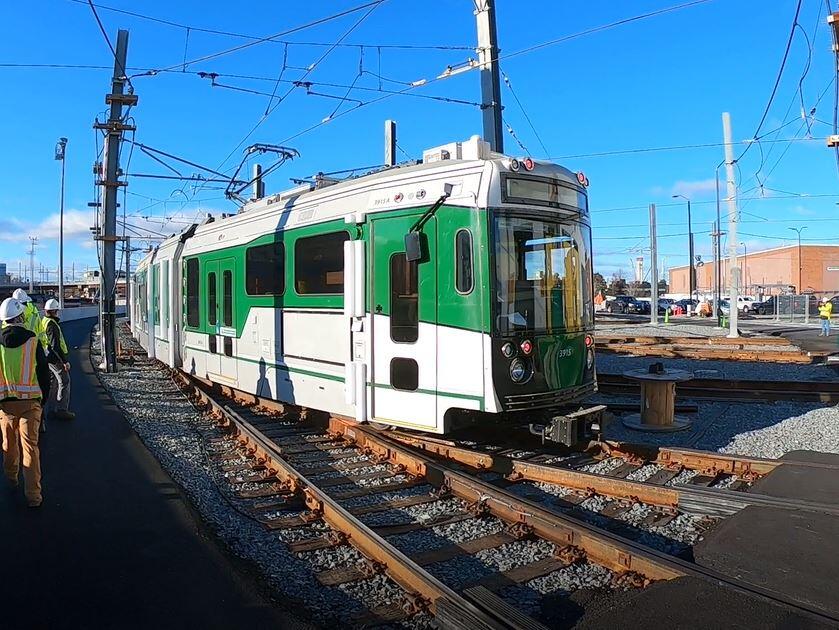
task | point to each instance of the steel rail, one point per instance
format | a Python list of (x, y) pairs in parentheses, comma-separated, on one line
[(693, 499), (804, 391), (426, 590), (562, 529)]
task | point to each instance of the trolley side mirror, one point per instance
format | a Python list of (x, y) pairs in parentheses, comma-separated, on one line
[(413, 246)]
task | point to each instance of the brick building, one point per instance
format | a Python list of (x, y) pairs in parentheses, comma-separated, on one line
[(770, 271)]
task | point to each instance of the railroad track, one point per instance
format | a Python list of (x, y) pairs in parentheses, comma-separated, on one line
[(701, 483), (736, 390), (426, 523)]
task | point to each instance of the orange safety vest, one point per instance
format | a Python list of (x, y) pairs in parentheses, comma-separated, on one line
[(17, 372)]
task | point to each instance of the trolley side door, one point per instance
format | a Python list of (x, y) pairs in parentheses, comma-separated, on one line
[(404, 312)]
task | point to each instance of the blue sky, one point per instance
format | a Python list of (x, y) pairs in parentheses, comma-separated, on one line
[(658, 82)]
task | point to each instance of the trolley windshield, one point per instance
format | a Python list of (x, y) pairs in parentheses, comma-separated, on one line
[(542, 274)]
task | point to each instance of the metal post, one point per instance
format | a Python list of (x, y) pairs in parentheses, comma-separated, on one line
[(745, 270), (390, 143), (653, 269), (258, 191), (60, 153), (715, 262), (490, 77), (734, 271), (800, 287), (32, 240), (111, 183), (127, 244)]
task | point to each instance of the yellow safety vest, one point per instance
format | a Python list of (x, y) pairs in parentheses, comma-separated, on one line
[(61, 342), (825, 310), (17, 371), (32, 321)]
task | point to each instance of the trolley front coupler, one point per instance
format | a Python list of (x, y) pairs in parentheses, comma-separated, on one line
[(573, 428)]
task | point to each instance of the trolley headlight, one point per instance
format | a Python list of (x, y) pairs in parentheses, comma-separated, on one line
[(508, 350), (520, 371), (589, 358)]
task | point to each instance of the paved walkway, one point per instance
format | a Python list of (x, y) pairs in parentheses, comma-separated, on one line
[(115, 544)]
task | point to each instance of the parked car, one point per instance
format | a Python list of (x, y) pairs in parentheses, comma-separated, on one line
[(664, 305), (725, 308), (626, 304), (760, 308), (683, 304)]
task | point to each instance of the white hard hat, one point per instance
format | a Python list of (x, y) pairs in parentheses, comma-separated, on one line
[(824, 299), (10, 308), (21, 296), (52, 305)]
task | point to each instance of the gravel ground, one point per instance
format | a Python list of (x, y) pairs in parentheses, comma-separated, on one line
[(608, 363), (757, 429), (175, 433)]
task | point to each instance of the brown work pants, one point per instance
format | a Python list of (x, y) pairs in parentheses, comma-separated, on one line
[(20, 421)]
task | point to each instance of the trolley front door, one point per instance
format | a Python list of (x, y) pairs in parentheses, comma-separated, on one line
[(404, 308)]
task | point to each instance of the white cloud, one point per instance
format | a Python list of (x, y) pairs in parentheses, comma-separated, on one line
[(77, 224), (698, 187)]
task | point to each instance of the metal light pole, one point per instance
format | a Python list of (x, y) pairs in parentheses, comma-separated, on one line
[(745, 270), (60, 152), (798, 230), (692, 269)]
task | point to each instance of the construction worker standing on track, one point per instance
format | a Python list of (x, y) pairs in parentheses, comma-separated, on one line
[(31, 316), (58, 405), (825, 310), (24, 384)]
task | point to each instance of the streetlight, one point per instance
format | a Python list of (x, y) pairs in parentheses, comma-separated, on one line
[(60, 150), (745, 270), (798, 230), (691, 270)]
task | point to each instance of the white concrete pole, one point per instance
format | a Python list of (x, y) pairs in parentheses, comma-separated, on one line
[(653, 269), (734, 271)]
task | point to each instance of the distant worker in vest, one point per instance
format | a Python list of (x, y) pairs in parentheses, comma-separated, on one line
[(31, 316), (24, 384), (58, 406), (825, 311)]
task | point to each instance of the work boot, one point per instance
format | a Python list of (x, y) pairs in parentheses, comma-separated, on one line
[(34, 503), (64, 414)]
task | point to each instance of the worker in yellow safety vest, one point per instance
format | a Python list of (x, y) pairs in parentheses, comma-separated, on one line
[(31, 316), (58, 357), (825, 310), (24, 384)]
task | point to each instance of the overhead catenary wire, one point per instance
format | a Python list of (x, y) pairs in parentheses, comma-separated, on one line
[(523, 111), (777, 79), (212, 31)]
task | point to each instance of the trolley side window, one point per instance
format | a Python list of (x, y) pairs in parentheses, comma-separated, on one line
[(155, 292), (404, 299), (212, 300), (319, 264), (265, 269), (464, 275), (227, 305), (192, 297)]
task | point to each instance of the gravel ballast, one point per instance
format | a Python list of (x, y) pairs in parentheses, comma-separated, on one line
[(177, 435)]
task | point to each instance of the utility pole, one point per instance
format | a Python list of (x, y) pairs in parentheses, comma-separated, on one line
[(653, 269), (390, 143), (114, 128), (32, 240), (490, 76), (734, 284), (60, 153), (800, 286)]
